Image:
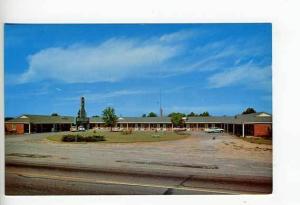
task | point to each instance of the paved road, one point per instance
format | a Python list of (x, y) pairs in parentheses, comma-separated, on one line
[(197, 155), (47, 181)]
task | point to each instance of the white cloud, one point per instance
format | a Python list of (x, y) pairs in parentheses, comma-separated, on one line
[(216, 54), (122, 58), (112, 60), (251, 76), (178, 36), (98, 97), (104, 96)]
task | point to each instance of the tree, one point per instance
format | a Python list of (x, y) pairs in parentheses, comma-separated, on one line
[(249, 110), (8, 118), (205, 114), (95, 116), (176, 118), (109, 117), (54, 114), (152, 114), (144, 115), (174, 113), (192, 114)]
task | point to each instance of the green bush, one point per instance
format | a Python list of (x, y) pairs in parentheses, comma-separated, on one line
[(94, 138), (127, 132), (181, 132), (80, 138)]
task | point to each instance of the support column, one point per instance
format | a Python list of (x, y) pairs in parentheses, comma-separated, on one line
[(197, 127), (127, 126), (149, 127), (172, 127), (29, 128), (243, 130), (233, 129)]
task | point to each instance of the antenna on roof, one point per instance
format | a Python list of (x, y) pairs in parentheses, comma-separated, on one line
[(160, 108)]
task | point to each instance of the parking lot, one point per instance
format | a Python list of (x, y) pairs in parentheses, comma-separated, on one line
[(217, 153)]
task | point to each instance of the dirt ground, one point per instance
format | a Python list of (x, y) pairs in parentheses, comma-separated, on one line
[(235, 147), (218, 153)]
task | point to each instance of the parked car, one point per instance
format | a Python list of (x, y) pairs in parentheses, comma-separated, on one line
[(73, 129), (214, 130), (81, 128)]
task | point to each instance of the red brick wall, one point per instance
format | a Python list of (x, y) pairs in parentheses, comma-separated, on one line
[(14, 128), (262, 130)]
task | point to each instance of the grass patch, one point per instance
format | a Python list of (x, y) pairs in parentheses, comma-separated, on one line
[(258, 140), (119, 137)]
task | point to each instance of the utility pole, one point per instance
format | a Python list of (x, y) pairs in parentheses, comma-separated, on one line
[(160, 108)]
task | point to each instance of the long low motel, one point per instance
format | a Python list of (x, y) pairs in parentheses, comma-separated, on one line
[(255, 124)]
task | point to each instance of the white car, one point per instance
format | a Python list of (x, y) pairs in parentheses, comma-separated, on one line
[(73, 129), (81, 128), (214, 130)]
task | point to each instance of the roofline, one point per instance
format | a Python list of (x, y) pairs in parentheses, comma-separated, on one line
[(137, 122), (264, 122), (256, 123), (227, 122), (8, 122), (51, 123)]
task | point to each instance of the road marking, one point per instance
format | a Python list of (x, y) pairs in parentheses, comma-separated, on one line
[(80, 179)]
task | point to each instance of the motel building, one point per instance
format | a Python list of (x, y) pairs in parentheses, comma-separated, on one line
[(255, 124)]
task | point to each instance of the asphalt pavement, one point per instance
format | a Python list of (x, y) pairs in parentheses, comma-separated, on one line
[(23, 180)]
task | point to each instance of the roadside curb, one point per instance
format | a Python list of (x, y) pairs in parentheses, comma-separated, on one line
[(205, 177)]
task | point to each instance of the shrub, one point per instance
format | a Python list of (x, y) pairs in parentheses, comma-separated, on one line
[(70, 138), (80, 138), (181, 132), (94, 138), (127, 132)]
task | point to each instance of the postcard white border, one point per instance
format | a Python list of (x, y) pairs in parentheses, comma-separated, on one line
[(283, 16)]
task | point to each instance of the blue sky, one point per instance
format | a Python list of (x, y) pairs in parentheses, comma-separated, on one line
[(219, 68)]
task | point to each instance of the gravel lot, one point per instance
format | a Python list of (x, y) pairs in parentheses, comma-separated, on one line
[(199, 153)]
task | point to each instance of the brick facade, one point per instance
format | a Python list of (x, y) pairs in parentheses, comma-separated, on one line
[(14, 128), (262, 130)]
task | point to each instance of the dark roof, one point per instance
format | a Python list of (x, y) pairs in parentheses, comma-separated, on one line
[(145, 119), (209, 119), (254, 117), (262, 117), (96, 120), (238, 119), (42, 119), (135, 120)]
